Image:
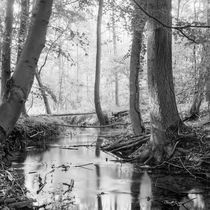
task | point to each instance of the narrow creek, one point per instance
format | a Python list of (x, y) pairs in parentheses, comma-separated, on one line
[(69, 175)]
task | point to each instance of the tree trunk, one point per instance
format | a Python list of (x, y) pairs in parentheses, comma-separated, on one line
[(24, 16), (204, 73), (43, 93), (21, 81), (208, 58), (199, 93), (101, 117), (163, 113), (6, 51), (178, 9), (139, 21), (114, 38)]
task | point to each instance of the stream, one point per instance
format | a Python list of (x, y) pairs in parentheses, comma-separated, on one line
[(69, 175)]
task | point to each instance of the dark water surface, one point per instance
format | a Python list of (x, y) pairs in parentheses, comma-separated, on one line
[(101, 183)]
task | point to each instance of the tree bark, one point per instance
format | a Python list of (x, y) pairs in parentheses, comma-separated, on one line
[(139, 21), (101, 117), (24, 16), (6, 51), (163, 113), (208, 58), (43, 93), (20, 84)]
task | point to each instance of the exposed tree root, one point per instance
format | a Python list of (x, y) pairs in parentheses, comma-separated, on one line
[(187, 153)]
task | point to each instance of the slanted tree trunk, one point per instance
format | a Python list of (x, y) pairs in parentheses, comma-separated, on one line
[(101, 117), (43, 92), (139, 21), (114, 38), (6, 51), (19, 85), (24, 16), (164, 115)]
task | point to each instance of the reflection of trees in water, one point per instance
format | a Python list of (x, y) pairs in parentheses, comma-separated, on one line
[(135, 190), (98, 184), (158, 192)]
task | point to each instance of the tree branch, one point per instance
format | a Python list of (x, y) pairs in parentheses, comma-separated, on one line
[(178, 28)]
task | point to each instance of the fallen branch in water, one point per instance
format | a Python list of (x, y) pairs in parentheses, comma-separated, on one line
[(70, 186), (67, 114), (93, 126)]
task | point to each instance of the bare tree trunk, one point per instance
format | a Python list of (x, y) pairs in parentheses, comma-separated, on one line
[(6, 51), (43, 92), (208, 58), (114, 38), (163, 113), (135, 114), (24, 16), (101, 117), (21, 81), (139, 21), (199, 93), (204, 73)]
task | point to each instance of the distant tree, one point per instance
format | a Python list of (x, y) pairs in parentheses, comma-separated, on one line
[(43, 92), (101, 117), (19, 85), (6, 48), (164, 115), (138, 23), (204, 72), (114, 39)]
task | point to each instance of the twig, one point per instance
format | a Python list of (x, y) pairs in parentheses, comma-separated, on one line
[(84, 165), (186, 169)]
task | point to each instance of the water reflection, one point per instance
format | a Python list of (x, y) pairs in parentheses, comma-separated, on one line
[(99, 182)]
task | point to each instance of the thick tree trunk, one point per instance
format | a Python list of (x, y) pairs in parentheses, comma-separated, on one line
[(135, 114), (139, 21), (6, 51), (21, 81), (101, 117), (24, 16), (163, 114), (43, 93), (23, 26), (114, 38), (208, 58)]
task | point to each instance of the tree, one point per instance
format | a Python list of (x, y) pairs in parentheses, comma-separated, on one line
[(24, 16), (43, 92), (6, 48), (101, 117), (19, 85), (164, 115), (204, 71), (114, 38), (139, 21)]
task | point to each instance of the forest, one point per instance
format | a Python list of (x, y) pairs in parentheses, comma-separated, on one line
[(105, 104)]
